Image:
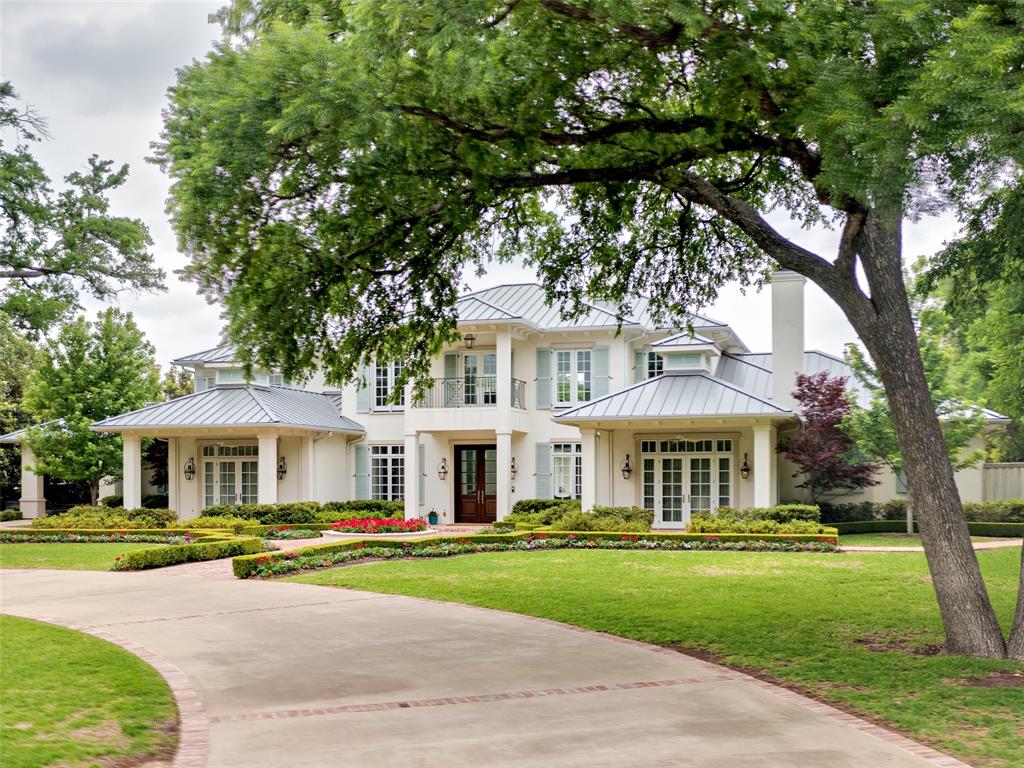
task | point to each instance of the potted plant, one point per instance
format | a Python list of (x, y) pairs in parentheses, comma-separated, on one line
[(432, 517)]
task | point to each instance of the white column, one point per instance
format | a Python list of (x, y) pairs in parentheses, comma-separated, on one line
[(589, 468), (503, 503), (266, 487), (412, 475), (787, 334), (173, 468), (33, 501), (308, 488), (761, 468), (132, 471), (504, 370)]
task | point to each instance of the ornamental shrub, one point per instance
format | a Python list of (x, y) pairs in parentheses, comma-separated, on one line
[(780, 513), (541, 511), (84, 516), (586, 521), (728, 524), (9, 514), (141, 559), (361, 509), (112, 501)]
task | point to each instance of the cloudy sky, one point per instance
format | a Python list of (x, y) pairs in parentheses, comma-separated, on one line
[(98, 72)]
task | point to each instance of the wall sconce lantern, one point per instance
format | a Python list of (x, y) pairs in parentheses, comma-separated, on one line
[(442, 469), (745, 468), (627, 468), (470, 340), (514, 469), (282, 468), (190, 468)]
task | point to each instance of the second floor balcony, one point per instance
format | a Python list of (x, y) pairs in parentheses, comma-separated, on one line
[(471, 392)]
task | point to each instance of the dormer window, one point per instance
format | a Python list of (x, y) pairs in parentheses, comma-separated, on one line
[(231, 376), (686, 361), (655, 365)]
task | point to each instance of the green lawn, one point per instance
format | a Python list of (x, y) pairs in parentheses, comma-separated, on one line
[(826, 623), (891, 540), (80, 557), (73, 700)]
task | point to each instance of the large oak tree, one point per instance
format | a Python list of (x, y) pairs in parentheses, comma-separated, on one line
[(335, 165)]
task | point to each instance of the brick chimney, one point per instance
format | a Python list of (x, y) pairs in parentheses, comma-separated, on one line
[(787, 334)]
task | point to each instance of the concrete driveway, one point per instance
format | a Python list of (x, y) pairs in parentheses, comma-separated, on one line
[(297, 675)]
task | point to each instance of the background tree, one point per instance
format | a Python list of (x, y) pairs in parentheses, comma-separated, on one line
[(16, 358), (176, 382), (335, 166), (826, 456), (90, 371), (55, 247)]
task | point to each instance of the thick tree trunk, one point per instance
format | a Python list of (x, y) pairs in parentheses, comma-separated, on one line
[(890, 337), (1015, 648)]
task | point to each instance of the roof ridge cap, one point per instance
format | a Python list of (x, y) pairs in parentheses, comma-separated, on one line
[(259, 401)]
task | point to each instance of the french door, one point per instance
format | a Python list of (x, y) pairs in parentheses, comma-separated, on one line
[(230, 475), (476, 483), (677, 486)]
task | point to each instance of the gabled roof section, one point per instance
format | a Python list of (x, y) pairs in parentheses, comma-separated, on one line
[(675, 395), (225, 353), (239, 406), (684, 339)]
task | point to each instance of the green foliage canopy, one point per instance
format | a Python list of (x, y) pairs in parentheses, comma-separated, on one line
[(88, 372), (55, 246)]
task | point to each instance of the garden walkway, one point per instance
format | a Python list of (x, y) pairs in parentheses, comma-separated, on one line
[(978, 545), (272, 674)]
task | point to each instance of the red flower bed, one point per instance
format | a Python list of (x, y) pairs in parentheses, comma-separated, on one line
[(380, 525)]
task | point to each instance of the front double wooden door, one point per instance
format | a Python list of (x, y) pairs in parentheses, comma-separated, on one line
[(476, 483)]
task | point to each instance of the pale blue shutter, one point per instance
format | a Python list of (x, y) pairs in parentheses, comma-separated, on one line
[(901, 481), (639, 366), (362, 472), (451, 365), (420, 462), (544, 379), (602, 374), (363, 391), (543, 473)]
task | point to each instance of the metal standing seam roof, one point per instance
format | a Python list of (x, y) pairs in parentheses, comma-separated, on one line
[(684, 339), (238, 405), (675, 395), (15, 437), (225, 353)]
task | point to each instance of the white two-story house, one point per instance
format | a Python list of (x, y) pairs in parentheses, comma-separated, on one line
[(526, 405)]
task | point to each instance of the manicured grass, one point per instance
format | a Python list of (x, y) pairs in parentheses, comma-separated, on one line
[(73, 700), (81, 557), (891, 540), (836, 625)]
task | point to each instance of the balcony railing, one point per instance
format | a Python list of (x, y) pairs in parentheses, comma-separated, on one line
[(470, 392)]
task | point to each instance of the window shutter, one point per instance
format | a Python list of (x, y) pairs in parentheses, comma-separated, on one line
[(544, 382), (363, 391), (362, 472), (543, 473), (602, 375), (451, 365), (901, 481), (639, 365), (420, 461)]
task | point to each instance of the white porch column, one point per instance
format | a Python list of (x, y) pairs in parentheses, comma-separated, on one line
[(266, 488), (412, 475), (503, 390), (503, 503), (308, 489), (173, 468), (131, 483), (762, 470), (589, 468), (33, 501)]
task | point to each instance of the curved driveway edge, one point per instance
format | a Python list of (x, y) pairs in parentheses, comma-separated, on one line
[(193, 725), (294, 674)]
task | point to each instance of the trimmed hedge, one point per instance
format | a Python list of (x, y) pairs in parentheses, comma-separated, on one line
[(996, 511), (246, 566), (84, 516), (302, 512), (150, 501), (210, 549), (196, 534), (10, 514), (1003, 530), (525, 507)]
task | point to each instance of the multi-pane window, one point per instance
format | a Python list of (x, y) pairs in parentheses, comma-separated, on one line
[(275, 379), (567, 470), (573, 376), (680, 477), (231, 376), (655, 365), (384, 378), (724, 481), (204, 383), (387, 472)]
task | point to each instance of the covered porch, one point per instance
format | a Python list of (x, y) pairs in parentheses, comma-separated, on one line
[(234, 445), (679, 444)]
